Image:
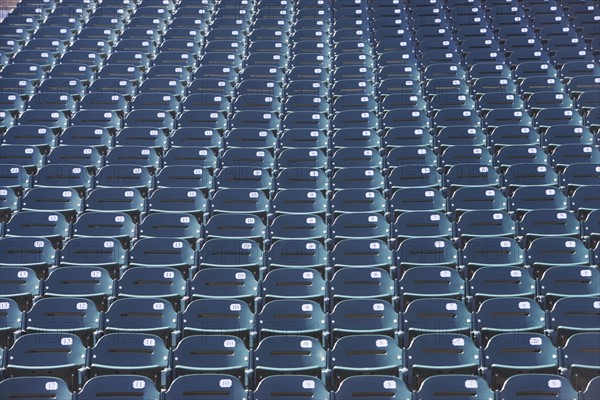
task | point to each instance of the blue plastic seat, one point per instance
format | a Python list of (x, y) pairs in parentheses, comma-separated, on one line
[(572, 315), (35, 388), (108, 387), (442, 282), (531, 386), (504, 356), (292, 387), (454, 387), (500, 282), (427, 355), (63, 357), (295, 354), (143, 354), (19, 284), (205, 386), (365, 353)]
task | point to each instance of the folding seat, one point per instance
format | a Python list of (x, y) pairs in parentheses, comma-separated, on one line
[(360, 253), (356, 157), (71, 87), (84, 157), (359, 226), (455, 387), (513, 135), (499, 281), (301, 158), (11, 320), (224, 283), (172, 253), (218, 316), (357, 201), (63, 358), (410, 156), (292, 317), (115, 76), (144, 138), (96, 252), (15, 78), (235, 226), (35, 388), (12, 103), (354, 178), (170, 72), (290, 387), (592, 389), (518, 154), (243, 178), (572, 315), (199, 101), (579, 174), (520, 175), (97, 46), (413, 176), (202, 119), (20, 157), (56, 121), (567, 154), (459, 136), (211, 353), (182, 225), (355, 353), (293, 354), (297, 226), (30, 135), (583, 201), (508, 314), (243, 201), (504, 116), (427, 355), (149, 118), (363, 316), (76, 316), (47, 224), (558, 282), (420, 224), (97, 118), (21, 86), (107, 387), (547, 252), (505, 356), (445, 86), (205, 387), (138, 59), (549, 117), (543, 223), (302, 119), (9, 202), (250, 138), (466, 155), (90, 59), (305, 138), (443, 282), (177, 200), (190, 157), (62, 103), (353, 102), (143, 354), (483, 252), (63, 175), (147, 315), (578, 68), (582, 83), (416, 199), (375, 385), (44, 59), (246, 157), (20, 284), (231, 252), (155, 101), (407, 136), (426, 251), (188, 137), (532, 386), (293, 283)]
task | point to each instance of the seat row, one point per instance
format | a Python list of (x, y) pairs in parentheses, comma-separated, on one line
[(505, 355)]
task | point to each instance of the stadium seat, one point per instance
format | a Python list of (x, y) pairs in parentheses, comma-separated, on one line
[(110, 386)]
